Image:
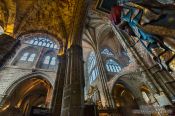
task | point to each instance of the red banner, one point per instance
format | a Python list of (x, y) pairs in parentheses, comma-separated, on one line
[(115, 14)]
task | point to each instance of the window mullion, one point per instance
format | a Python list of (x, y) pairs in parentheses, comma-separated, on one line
[(28, 57)]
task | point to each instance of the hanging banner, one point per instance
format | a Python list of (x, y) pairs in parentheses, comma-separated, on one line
[(115, 14)]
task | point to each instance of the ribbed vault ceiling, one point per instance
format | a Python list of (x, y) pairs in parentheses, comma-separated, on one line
[(52, 16), (95, 24)]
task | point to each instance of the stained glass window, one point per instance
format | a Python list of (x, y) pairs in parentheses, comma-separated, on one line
[(42, 41), (31, 58), (92, 68), (39, 47), (47, 60), (112, 66), (50, 60), (35, 42), (107, 52), (53, 61), (55, 46), (28, 57), (24, 56), (91, 61), (31, 41)]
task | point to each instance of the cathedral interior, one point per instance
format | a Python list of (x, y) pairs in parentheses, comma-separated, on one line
[(87, 57)]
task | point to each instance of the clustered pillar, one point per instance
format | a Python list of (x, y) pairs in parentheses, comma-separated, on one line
[(58, 89), (73, 91), (73, 98), (103, 78)]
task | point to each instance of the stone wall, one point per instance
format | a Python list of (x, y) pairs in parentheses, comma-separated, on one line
[(12, 75), (9, 76)]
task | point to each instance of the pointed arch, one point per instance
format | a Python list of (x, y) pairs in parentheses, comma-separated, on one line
[(39, 75), (31, 86)]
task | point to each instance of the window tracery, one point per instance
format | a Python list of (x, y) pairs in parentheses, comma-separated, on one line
[(50, 60), (112, 66), (91, 61), (53, 61), (24, 56), (28, 57), (107, 52), (47, 60), (92, 68), (39, 48), (42, 41), (32, 57)]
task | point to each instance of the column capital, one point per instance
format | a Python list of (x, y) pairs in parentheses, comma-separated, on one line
[(73, 97)]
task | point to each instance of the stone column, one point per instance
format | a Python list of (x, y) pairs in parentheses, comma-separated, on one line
[(58, 88), (73, 92), (106, 97), (73, 99)]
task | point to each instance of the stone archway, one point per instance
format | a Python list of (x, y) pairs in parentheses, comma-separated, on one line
[(127, 93), (34, 91), (124, 99)]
